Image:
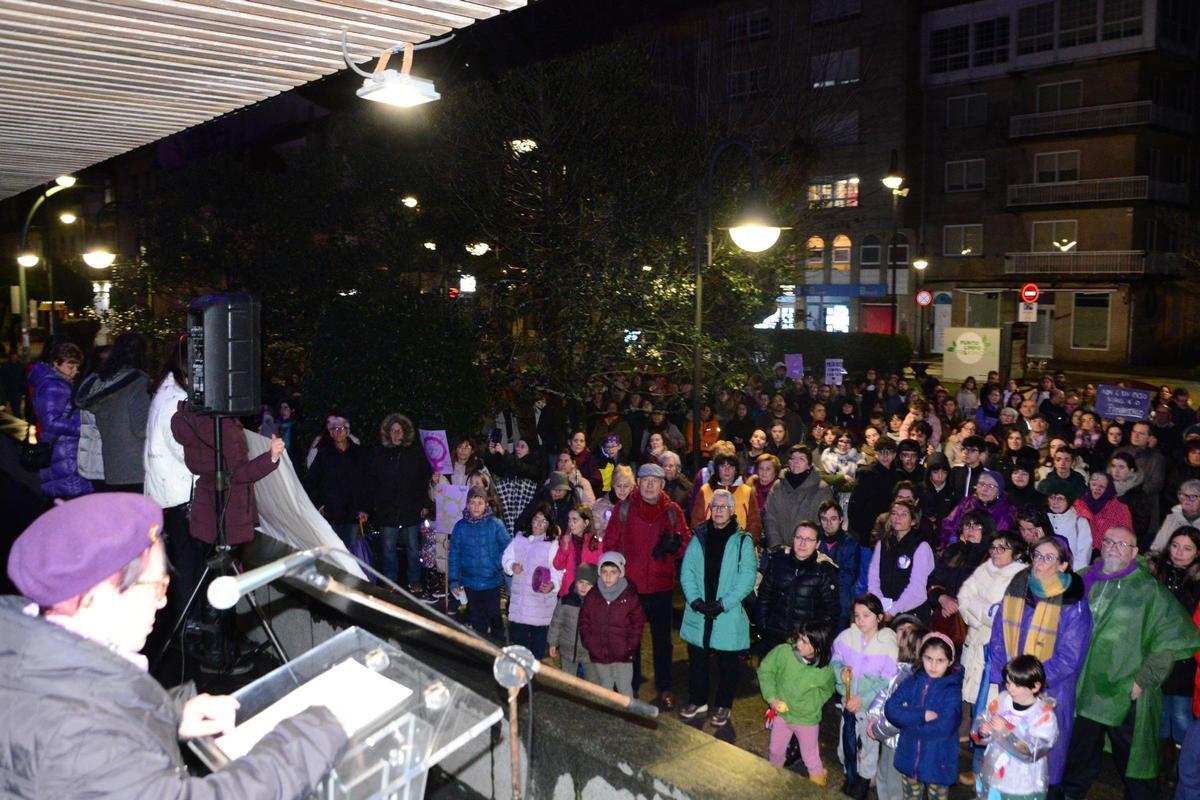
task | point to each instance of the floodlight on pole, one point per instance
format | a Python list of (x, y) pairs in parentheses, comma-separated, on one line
[(392, 87)]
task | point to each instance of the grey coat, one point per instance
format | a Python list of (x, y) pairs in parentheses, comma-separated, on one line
[(77, 720), (787, 507), (122, 407), (564, 630)]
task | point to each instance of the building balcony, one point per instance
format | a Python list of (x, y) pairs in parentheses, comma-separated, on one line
[(1092, 118), (1093, 262), (1097, 190)]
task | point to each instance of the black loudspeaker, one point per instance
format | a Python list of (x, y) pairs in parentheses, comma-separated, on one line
[(223, 355)]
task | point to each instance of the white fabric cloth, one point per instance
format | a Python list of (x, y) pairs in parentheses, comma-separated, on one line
[(1078, 533), (167, 481), (979, 600), (285, 512)]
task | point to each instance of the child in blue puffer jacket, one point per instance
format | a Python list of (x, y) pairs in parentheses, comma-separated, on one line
[(927, 708), (476, 548)]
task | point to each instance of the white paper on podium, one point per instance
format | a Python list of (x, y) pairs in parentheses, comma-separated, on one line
[(360, 694)]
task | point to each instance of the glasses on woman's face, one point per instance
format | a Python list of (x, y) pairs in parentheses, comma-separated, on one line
[(972, 526), (999, 548), (1046, 558)]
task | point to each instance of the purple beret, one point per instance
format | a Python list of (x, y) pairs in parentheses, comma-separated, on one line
[(612, 438), (79, 543)]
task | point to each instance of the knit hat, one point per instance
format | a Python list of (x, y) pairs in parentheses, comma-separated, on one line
[(1056, 485), (559, 480), (943, 637), (77, 544), (996, 476), (612, 438), (651, 471), (587, 572), (614, 558)]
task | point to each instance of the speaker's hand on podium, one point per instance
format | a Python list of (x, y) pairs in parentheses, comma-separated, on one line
[(208, 715), (276, 448)]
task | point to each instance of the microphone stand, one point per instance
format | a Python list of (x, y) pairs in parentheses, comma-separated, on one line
[(513, 667)]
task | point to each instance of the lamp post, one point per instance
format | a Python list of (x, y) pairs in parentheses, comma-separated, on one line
[(920, 264), (893, 180), (27, 259), (753, 231)]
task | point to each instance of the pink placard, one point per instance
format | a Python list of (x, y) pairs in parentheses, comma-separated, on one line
[(437, 450)]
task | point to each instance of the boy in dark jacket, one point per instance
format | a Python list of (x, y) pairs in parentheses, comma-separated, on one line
[(563, 637), (611, 621)]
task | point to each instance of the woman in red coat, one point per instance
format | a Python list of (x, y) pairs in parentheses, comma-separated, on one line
[(1101, 507)]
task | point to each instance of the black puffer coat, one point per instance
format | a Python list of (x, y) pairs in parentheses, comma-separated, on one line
[(399, 485), (77, 719), (794, 591)]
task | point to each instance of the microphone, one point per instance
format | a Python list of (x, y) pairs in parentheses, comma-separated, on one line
[(224, 592)]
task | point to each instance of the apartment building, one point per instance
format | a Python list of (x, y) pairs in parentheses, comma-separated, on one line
[(839, 81), (1058, 150)]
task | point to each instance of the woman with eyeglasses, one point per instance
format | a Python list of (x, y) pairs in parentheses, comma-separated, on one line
[(336, 482), (1185, 512), (952, 567), (799, 584), (989, 496), (979, 601), (1045, 613)]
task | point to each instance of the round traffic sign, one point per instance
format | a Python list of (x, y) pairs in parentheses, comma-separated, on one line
[(924, 298), (1030, 293)]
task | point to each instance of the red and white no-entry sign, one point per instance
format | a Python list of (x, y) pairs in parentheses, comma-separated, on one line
[(1030, 293), (924, 298)]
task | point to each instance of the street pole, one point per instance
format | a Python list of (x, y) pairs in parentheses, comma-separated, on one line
[(703, 261), (45, 195), (892, 260)]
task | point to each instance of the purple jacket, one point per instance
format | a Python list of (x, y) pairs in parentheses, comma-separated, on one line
[(525, 605), (1002, 512), (1062, 669), (58, 424)]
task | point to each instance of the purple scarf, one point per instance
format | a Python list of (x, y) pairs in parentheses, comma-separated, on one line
[(1097, 503), (1096, 573)]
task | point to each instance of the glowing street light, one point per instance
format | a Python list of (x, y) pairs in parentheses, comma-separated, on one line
[(430, 245), (28, 260), (479, 248), (754, 230), (65, 181), (99, 258), (409, 201), (67, 218)]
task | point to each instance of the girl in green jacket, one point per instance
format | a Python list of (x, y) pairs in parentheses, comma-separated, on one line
[(796, 680)]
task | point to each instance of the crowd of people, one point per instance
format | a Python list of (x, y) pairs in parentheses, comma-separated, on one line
[(988, 561)]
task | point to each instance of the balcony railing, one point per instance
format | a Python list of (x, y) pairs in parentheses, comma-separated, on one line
[(1098, 190), (1116, 115), (1092, 262)]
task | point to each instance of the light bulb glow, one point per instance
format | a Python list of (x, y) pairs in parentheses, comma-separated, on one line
[(409, 201), (99, 259), (67, 218), (466, 284), (65, 181), (920, 262), (430, 245), (28, 260), (754, 237), (893, 182), (478, 248)]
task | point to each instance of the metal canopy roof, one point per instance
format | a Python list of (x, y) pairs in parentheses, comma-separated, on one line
[(85, 80)]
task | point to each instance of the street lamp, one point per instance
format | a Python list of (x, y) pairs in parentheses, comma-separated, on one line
[(99, 258), (67, 218), (753, 230), (920, 264), (893, 180), (28, 259)]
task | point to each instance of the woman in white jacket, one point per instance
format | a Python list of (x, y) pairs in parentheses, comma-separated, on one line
[(1069, 525), (168, 482), (979, 601)]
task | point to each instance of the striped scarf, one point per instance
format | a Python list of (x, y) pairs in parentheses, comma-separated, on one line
[(1043, 628)]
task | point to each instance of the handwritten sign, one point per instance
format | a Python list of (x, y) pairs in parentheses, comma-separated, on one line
[(437, 450), (833, 371), (1122, 402), (795, 364), (448, 502)]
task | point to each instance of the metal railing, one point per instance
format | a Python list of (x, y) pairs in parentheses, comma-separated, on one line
[(1096, 190), (1090, 118), (1093, 262)]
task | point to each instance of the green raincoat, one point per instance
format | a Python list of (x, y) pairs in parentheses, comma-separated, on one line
[(1139, 631)]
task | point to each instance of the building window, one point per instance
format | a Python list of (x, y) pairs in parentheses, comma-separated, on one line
[(949, 49), (837, 129), (814, 259), (841, 252), (825, 10), (836, 192), (962, 240), (750, 27), (869, 251), (835, 68), (1089, 322), (743, 83), (1059, 96), (1035, 28), (1122, 19), (837, 318), (1056, 167), (1055, 236), (1076, 22), (991, 42), (966, 111), (964, 176), (899, 249)]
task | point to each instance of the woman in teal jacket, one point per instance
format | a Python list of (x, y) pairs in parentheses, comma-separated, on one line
[(717, 574)]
